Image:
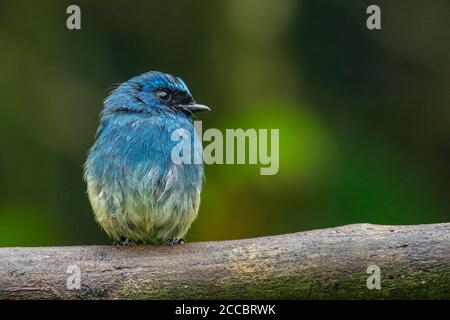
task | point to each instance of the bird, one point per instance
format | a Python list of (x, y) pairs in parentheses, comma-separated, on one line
[(138, 194)]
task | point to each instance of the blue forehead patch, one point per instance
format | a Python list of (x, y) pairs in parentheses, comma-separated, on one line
[(162, 80)]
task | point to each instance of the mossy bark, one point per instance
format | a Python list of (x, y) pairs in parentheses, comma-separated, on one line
[(322, 264)]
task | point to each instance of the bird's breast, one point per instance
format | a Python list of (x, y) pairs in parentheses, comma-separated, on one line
[(134, 155)]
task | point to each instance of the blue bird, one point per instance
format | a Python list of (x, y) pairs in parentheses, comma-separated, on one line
[(137, 192)]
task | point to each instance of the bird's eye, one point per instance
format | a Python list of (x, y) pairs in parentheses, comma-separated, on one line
[(163, 95)]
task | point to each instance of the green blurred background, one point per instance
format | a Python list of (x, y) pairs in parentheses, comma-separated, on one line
[(364, 116)]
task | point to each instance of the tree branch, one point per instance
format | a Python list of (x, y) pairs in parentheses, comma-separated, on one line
[(327, 263)]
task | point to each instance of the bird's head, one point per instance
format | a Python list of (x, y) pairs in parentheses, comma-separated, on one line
[(153, 92)]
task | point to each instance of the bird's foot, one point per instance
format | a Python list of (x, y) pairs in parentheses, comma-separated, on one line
[(124, 242), (176, 240)]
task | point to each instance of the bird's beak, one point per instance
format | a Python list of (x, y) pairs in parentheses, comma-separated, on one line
[(194, 108)]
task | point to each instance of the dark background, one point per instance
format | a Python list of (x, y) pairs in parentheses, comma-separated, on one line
[(364, 115)]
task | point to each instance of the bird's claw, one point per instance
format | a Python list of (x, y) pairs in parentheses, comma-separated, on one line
[(124, 242), (176, 240)]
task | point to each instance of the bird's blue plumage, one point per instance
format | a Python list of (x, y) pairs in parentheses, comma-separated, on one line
[(136, 190)]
